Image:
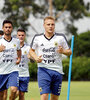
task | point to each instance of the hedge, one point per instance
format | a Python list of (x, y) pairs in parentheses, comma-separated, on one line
[(80, 69)]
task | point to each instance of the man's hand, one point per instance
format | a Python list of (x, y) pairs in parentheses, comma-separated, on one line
[(18, 61), (2, 48), (60, 50), (38, 59), (66, 52)]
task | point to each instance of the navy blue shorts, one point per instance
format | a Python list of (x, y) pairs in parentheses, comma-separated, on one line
[(49, 81), (9, 80), (23, 83)]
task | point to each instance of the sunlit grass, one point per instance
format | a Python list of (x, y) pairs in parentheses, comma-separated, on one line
[(79, 90)]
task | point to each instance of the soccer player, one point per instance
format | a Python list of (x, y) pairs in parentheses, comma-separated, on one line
[(10, 57), (1, 34), (50, 46), (23, 66), (1, 47)]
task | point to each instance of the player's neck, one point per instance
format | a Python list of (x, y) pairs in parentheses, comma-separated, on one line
[(49, 35), (21, 44), (7, 37)]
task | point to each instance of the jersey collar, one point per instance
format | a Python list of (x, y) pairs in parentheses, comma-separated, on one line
[(7, 40), (23, 45), (50, 38)]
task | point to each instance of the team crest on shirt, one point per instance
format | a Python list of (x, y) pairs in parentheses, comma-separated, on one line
[(55, 43), (25, 52), (14, 45), (40, 89)]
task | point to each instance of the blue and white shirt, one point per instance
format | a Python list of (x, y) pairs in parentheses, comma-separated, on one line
[(48, 49), (8, 57), (23, 66)]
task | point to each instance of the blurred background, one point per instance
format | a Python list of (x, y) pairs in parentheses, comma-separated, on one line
[(72, 18)]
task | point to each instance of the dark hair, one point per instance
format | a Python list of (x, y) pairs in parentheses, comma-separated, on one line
[(21, 30), (1, 32), (7, 21)]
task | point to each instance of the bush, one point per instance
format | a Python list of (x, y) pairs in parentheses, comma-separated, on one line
[(80, 68), (82, 45), (33, 71)]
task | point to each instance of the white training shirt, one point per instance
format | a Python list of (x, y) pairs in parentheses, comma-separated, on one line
[(48, 49), (23, 66), (8, 57)]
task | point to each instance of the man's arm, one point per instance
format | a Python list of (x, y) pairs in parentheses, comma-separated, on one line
[(2, 48), (31, 59), (66, 52), (18, 56), (32, 53)]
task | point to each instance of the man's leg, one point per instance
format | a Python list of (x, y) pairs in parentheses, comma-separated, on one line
[(44, 81), (56, 85), (13, 91), (44, 96), (17, 94), (13, 83), (23, 87), (54, 97), (3, 86), (5, 95), (21, 95), (1, 95)]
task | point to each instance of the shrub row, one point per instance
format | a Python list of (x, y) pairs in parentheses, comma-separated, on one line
[(80, 69)]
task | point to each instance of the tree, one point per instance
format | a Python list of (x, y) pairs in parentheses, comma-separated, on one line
[(19, 11), (76, 8), (82, 44)]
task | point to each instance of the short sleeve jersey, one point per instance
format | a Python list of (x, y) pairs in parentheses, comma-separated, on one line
[(48, 49), (23, 66), (8, 57)]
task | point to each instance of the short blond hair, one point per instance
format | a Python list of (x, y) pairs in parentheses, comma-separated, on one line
[(49, 17)]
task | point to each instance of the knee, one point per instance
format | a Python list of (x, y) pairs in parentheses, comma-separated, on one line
[(44, 96), (54, 97), (13, 89)]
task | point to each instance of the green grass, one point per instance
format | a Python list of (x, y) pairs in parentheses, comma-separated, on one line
[(80, 90)]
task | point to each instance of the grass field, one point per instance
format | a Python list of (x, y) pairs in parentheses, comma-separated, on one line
[(79, 90)]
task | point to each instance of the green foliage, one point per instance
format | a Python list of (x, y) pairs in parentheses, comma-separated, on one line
[(13, 1), (76, 8), (71, 28), (80, 68), (82, 44), (33, 71), (59, 4), (19, 10), (14, 7)]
